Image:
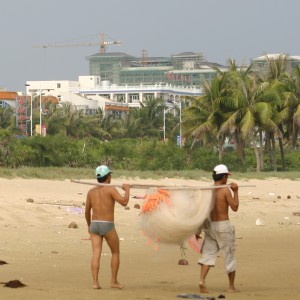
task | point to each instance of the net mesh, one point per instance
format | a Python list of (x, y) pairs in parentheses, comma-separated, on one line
[(173, 216)]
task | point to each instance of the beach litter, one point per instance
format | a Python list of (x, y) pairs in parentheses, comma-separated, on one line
[(74, 210), (13, 284), (189, 296), (197, 296), (73, 225), (260, 222), (183, 262)]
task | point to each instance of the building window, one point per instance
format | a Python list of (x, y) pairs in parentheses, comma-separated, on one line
[(133, 97), (4, 104), (58, 86)]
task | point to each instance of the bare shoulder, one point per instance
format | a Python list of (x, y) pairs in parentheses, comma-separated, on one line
[(109, 189), (92, 190), (222, 191), (104, 189)]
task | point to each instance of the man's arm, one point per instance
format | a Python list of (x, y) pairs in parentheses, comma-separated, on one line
[(233, 201), (123, 200), (88, 208)]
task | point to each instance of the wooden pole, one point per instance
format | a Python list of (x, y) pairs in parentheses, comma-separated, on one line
[(167, 187)]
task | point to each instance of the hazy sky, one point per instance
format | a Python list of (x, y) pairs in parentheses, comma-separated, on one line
[(220, 29)]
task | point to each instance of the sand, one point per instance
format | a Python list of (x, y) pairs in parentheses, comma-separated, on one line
[(54, 260)]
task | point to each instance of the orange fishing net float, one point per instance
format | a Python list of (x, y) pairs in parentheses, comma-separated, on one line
[(154, 201)]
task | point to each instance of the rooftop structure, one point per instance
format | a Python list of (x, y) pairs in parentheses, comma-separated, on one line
[(260, 64), (185, 69)]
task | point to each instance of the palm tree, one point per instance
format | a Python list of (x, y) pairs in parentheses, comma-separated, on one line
[(147, 120), (278, 79), (203, 118), (106, 126), (291, 108), (248, 113), (7, 118), (231, 107), (67, 119)]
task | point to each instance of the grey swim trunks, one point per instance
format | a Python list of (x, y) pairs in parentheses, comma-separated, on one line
[(101, 227)]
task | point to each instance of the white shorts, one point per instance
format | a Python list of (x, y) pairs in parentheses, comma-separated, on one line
[(219, 236)]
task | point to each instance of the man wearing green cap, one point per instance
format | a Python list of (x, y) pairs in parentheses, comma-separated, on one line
[(99, 214)]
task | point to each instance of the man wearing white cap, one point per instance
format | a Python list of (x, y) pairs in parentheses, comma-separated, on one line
[(220, 234), (99, 214)]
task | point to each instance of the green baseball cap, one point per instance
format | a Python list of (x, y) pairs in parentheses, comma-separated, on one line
[(102, 171)]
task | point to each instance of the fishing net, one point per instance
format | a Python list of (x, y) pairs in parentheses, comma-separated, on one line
[(174, 215)]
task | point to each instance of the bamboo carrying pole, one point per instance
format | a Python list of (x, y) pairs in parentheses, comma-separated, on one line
[(167, 187)]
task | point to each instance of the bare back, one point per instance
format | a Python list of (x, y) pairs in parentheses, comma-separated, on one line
[(101, 202), (224, 200)]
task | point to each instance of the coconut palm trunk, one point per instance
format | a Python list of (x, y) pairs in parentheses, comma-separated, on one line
[(282, 153)]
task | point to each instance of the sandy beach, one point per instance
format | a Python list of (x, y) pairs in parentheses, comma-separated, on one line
[(54, 260)]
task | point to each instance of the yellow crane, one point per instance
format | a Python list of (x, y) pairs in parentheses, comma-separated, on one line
[(103, 44)]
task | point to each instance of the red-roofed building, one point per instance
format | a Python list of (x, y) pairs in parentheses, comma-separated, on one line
[(8, 99)]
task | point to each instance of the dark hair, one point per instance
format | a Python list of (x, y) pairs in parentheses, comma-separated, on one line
[(102, 179), (218, 177)]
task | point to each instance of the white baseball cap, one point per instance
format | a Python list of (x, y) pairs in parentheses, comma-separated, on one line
[(221, 169), (102, 171)]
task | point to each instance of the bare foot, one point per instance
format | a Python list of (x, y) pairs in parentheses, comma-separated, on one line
[(233, 291), (202, 287), (96, 287), (116, 285)]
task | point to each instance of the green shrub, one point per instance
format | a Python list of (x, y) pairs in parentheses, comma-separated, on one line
[(147, 154)]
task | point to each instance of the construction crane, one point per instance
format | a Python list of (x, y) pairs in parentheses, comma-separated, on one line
[(103, 44)]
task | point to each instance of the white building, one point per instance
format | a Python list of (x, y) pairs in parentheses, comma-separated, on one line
[(90, 93), (62, 90)]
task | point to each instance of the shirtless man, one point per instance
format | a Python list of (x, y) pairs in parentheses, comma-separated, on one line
[(220, 234), (99, 214)]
